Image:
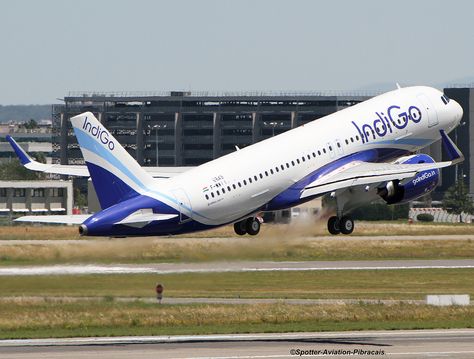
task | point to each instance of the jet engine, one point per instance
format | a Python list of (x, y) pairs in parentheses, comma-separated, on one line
[(412, 188)]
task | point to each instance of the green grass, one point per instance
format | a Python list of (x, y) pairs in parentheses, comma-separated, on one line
[(376, 284), (282, 248), (43, 319)]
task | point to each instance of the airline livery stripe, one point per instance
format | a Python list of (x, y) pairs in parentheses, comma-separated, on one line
[(95, 147)]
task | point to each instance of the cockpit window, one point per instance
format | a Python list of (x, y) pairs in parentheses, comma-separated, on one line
[(445, 99)]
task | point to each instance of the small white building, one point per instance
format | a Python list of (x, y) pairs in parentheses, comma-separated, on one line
[(35, 197)]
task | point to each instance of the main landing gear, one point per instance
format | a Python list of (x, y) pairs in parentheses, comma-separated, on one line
[(247, 226), (341, 223), (344, 225)]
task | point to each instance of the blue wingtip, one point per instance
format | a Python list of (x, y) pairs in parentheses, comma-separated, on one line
[(24, 158), (453, 152)]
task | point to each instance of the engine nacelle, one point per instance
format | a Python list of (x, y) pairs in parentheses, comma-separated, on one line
[(409, 189)]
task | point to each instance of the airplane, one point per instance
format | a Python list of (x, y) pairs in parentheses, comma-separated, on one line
[(358, 155)]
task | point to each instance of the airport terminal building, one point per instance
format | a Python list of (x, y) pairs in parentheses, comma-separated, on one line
[(188, 129)]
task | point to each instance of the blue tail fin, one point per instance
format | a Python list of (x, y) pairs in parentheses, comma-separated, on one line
[(115, 174)]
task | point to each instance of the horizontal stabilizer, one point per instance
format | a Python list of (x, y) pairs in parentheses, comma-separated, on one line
[(142, 217), (81, 170), (58, 219)]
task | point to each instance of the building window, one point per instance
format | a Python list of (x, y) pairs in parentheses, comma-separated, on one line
[(19, 192), (57, 192), (3, 192), (37, 192)]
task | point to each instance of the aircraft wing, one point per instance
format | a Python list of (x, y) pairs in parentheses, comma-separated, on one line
[(58, 219), (358, 173), (363, 173), (81, 170)]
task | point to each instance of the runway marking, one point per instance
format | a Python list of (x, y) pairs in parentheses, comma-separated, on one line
[(94, 269)]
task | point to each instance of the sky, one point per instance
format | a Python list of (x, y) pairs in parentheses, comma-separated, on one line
[(52, 47)]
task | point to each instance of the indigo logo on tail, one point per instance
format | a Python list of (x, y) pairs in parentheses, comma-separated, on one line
[(101, 134)]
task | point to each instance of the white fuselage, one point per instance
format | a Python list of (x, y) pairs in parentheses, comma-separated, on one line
[(241, 183)]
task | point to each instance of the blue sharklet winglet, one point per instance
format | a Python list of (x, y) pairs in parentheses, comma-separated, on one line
[(454, 154)]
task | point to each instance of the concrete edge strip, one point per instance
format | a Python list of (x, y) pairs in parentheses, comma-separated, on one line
[(118, 270), (223, 337)]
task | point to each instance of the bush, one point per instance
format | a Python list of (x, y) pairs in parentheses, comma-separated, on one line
[(380, 212), (425, 217)]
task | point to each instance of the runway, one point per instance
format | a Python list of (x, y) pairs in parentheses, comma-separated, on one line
[(234, 266), (454, 343)]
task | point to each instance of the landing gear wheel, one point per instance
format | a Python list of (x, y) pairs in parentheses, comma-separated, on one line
[(239, 228), (333, 225), (252, 226), (346, 225)]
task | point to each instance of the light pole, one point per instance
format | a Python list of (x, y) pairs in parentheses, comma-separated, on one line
[(156, 127), (456, 171)]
